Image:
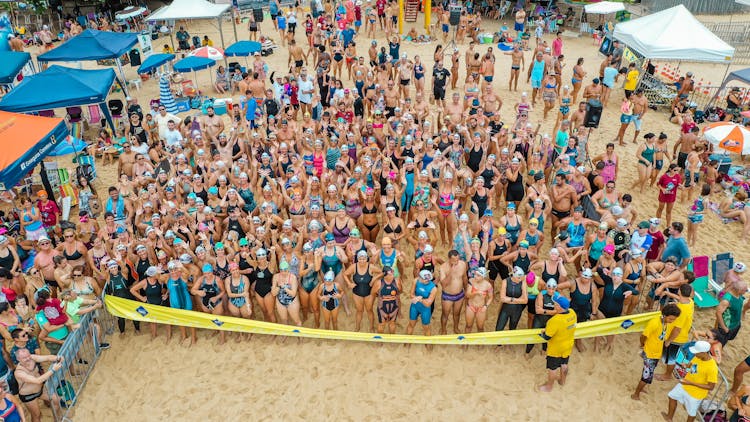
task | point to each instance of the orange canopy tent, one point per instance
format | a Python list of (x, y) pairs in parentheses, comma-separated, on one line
[(24, 141)]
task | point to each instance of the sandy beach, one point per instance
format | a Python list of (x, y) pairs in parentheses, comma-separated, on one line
[(140, 379)]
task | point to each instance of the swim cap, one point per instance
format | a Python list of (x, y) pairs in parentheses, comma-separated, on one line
[(207, 268), (617, 271), (518, 272), (283, 266), (425, 275), (551, 283), (152, 271), (329, 276)]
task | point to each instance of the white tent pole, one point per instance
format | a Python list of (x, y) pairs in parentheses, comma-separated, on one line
[(122, 75), (221, 35), (234, 24)]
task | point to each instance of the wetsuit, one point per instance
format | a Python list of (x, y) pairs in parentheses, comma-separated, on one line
[(511, 311)]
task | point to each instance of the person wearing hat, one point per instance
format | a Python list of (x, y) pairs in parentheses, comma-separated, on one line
[(514, 298), (360, 277), (422, 296), (641, 240), (329, 293), (154, 291), (116, 284), (613, 296), (699, 381), (584, 299), (284, 288), (652, 345), (478, 299), (542, 308), (559, 335)]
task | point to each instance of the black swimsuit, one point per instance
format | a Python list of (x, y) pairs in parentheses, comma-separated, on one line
[(262, 281), (362, 282)]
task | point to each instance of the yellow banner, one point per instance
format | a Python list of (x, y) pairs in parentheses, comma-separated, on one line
[(139, 311)]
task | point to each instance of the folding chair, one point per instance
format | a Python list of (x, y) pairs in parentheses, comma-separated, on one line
[(75, 114), (95, 115), (115, 107), (189, 89), (720, 266), (703, 293)]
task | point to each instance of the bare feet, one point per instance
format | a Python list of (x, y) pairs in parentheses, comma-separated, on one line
[(666, 417), (635, 396), (663, 377), (545, 388)]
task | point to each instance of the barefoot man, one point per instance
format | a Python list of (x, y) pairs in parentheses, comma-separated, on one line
[(517, 64), (560, 336), (453, 280), (563, 198), (699, 381), (652, 345)]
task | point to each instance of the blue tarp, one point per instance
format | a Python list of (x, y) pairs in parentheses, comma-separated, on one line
[(71, 145), (11, 63), (58, 87), (154, 61), (192, 63), (242, 48), (92, 45)]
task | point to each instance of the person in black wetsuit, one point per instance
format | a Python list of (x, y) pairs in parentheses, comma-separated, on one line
[(514, 297), (117, 285), (150, 290), (360, 277)]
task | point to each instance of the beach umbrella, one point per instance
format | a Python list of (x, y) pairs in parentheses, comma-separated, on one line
[(193, 64), (165, 95), (130, 12), (728, 136), (243, 49), (212, 53), (154, 61)]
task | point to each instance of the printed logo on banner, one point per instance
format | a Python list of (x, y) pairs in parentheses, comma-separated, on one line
[(627, 324), (218, 322), (141, 310)]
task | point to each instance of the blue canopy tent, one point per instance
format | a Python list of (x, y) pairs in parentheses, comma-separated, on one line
[(154, 61), (94, 45), (58, 87), (25, 141), (243, 48), (11, 63)]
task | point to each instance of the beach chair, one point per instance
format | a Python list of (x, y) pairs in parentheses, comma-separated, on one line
[(720, 266), (116, 107), (704, 297), (74, 114), (189, 89), (95, 115)]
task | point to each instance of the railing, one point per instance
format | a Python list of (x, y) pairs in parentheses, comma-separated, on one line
[(735, 34), (80, 352), (714, 402)]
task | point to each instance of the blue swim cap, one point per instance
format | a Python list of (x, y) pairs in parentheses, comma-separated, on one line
[(207, 268)]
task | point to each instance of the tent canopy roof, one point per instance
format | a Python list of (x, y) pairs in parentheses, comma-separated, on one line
[(25, 140), (604, 7), (154, 61), (189, 9), (11, 63), (92, 45), (742, 75), (59, 86), (673, 34), (192, 63), (242, 48)]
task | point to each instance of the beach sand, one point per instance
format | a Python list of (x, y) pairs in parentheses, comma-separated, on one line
[(139, 379)]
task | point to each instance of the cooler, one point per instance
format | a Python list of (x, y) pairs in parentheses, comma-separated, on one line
[(222, 106), (183, 104), (486, 38), (725, 162)]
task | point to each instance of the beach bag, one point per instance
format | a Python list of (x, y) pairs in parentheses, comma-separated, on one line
[(66, 393)]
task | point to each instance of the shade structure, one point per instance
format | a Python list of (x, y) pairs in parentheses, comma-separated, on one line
[(207, 52), (192, 63), (92, 45), (243, 49), (25, 140), (165, 95), (673, 34), (189, 9), (11, 63), (130, 12), (604, 8), (728, 136), (154, 61), (58, 87)]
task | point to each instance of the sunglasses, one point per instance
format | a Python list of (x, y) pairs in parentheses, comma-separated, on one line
[(77, 275), (68, 236)]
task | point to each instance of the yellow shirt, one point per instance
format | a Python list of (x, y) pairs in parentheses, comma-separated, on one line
[(208, 43), (684, 322), (701, 372), (632, 80), (562, 329), (655, 333)]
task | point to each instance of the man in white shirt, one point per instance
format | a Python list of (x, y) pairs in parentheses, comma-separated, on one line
[(162, 119), (306, 90), (172, 136)]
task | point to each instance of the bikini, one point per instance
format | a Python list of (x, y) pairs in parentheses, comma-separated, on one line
[(484, 293), (370, 211)]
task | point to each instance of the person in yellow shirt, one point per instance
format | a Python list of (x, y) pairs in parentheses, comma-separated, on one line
[(207, 42), (167, 49), (652, 343), (631, 80), (701, 378), (560, 336), (680, 329)]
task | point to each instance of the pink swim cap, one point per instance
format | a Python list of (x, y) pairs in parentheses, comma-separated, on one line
[(609, 248), (530, 278)]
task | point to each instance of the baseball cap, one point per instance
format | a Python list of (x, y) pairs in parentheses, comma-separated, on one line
[(562, 302), (700, 347), (644, 225)]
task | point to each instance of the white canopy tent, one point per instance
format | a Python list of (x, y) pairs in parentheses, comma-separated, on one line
[(673, 34), (193, 9), (604, 8)]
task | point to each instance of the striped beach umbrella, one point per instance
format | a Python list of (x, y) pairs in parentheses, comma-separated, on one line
[(165, 95), (212, 53), (728, 136)]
